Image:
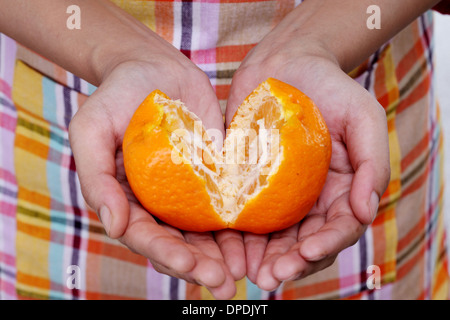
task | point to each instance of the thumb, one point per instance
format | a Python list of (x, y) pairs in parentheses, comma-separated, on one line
[(94, 150), (368, 148), (200, 98), (241, 86)]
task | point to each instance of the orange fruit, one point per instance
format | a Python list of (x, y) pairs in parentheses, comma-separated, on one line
[(267, 177)]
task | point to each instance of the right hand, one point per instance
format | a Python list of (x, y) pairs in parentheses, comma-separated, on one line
[(359, 171), (96, 133)]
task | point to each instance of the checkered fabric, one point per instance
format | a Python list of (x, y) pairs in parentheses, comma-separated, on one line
[(46, 228)]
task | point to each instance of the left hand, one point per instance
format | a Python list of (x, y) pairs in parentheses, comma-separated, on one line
[(96, 133), (359, 170)]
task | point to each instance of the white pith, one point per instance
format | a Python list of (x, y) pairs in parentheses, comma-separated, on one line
[(230, 182)]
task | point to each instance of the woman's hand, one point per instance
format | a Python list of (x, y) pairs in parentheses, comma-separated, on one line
[(96, 134), (359, 170)]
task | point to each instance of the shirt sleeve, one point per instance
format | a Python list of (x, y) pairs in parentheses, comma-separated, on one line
[(443, 7)]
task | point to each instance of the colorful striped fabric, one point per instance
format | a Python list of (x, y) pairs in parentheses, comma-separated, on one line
[(49, 235)]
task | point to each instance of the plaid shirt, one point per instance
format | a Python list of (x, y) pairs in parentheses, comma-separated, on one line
[(46, 227)]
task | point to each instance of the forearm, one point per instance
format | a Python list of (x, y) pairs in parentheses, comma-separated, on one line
[(106, 35), (341, 26)]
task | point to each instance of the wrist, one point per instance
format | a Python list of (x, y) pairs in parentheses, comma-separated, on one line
[(109, 54), (142, 48), (340, 27)]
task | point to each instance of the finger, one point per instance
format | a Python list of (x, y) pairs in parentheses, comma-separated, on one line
[(226, 290), (367, 142), (231, 245), (340, 231), (312, 223), (94, 149), (145, 237), (210, 270), (279, 243), (200, 98), (291, 266), (205, 104), (242, 85), (255, 246)]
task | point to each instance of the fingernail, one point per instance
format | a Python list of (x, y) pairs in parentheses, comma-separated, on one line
[(105, 217), (373, 205)]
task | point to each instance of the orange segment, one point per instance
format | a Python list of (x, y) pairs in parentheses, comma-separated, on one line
[(268, 175)]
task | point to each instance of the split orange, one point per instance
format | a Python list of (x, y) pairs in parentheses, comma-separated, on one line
[(267, 177)]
